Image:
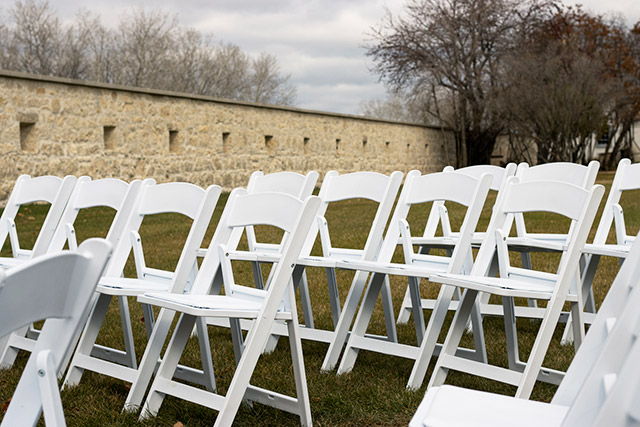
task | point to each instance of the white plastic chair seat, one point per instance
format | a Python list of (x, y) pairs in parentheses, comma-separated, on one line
[(396, 268), (129, 286), (442, 406), (618, 251), (209, 305), (498, 286)]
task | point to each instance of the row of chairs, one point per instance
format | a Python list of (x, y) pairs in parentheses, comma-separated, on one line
[(195, 292)]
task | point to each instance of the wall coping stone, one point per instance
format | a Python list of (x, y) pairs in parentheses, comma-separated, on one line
[(182, 95)]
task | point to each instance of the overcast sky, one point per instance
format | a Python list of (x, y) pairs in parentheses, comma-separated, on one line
[(318, 42)]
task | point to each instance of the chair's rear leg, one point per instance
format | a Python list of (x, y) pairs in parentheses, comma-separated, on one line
[(205, 354), (236, 338), (362, 321), (513, 354), (526, 263), (344, 323), (334, 297), (478, 333), (387, 307), (149, 318), (416, 304), (300, 279), (405, 308), (257, 275), (125, 319)]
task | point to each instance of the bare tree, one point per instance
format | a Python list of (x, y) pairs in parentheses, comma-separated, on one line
[(400, 106), (144, 39), (267, 84), (453, 51), (37, 36)]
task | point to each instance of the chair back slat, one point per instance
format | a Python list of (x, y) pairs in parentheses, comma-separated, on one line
[(546, 196), (174, 197)]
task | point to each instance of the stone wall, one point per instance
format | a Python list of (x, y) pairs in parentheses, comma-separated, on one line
[(61, 126)]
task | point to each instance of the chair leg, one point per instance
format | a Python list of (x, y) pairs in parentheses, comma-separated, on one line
[(49, 392), (168, 365), (334, 297), (299, 374), (405, 309), (149, 318), (125, 319), (416, 304), (257, 275), (88, 339), (344, 323), (454, 336), (526, 263), (539, 349), (361, 322), (9, 353), (387, 307), (205, 354), (427, 348), (513, 354), (300, 278), (149, 360)]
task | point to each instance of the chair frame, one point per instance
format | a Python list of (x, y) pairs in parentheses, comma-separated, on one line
[(242, 212), (64, 303), (568, 200), (439, 187), (183, 198), (108, 192)]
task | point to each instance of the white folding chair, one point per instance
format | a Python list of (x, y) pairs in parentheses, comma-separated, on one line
[(71, 279), (627, 178), (438, 187), (239, 302), (600, 383), (439, 215), (108, 192), (181, 198), (567, 200), (50, 189), (372, 186)]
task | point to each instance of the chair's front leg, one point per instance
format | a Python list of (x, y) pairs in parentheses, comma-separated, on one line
[(513, 354), (454, 336), (346, 316), (428, 346), (362, 322), (149, 360)]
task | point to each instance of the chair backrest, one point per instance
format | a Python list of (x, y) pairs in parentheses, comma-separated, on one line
[(598, 374), (373, 186), (175, 197), (498, 175), (51, 189), (438, 187), (627, 178), (292, 183), (572, 173), (71, 278), (273, 209), (575, 203), (113, 193)]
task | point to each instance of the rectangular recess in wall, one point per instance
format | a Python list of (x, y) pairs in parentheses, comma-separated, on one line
[(269, 143), (305, 145), (27, 136), (337, 143), (364, 144), (226, 142), (109, 137), (174, 146)]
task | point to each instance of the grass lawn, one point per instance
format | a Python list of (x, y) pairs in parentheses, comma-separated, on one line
[(372, 394)]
